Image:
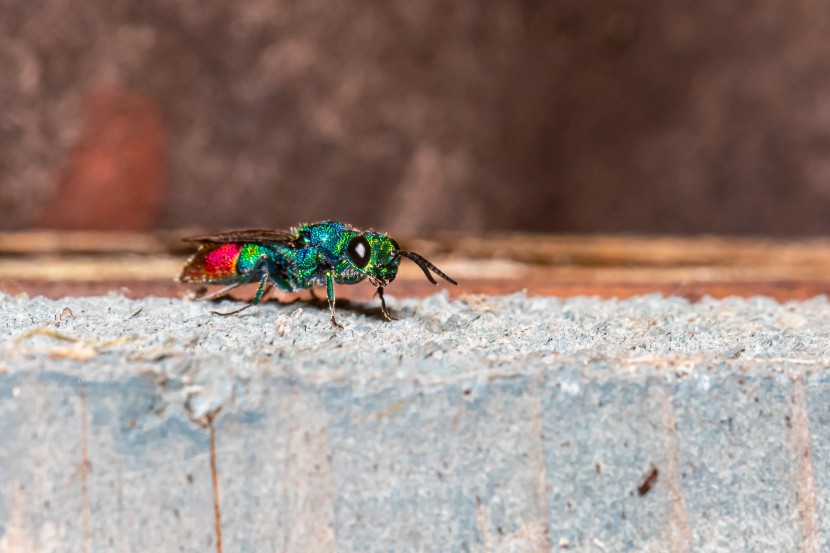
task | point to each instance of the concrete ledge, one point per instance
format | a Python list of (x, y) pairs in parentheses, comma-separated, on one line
[(485, 424)]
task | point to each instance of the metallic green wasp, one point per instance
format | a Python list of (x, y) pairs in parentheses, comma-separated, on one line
[(318, 254)]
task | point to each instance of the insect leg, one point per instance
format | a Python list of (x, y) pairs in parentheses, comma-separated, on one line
[(234, 312), (330, 292), (262, 291), (263, 284), (383, 308), (264, 288), (223, 292), (314, 295)]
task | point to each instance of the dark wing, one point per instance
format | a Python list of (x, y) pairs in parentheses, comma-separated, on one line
[(247, 236)]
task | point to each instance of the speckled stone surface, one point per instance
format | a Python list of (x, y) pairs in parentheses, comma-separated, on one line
[(484, 424)]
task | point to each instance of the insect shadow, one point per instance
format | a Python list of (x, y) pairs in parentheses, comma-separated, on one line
[(358, 307)]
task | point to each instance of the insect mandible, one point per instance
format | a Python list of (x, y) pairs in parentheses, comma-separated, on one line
[(317, 254)]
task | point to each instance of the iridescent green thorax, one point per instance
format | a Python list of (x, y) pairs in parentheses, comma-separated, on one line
[(330, 237)]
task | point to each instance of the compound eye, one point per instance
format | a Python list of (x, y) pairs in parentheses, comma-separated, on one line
[(359, 251)]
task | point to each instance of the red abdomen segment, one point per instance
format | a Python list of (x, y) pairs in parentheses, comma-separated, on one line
[(212, 262)]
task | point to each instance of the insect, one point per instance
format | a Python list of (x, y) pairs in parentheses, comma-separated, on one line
[(318, 254)]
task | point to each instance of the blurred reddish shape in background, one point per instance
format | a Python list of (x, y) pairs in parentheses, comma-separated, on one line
[(116, 175)]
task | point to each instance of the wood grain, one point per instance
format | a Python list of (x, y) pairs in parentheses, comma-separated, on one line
[(84, 263)]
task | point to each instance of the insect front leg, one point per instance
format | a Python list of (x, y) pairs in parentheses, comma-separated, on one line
[(330, 293), (383, 308)]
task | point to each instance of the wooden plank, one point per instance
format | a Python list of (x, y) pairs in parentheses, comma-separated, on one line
[(57, 264)]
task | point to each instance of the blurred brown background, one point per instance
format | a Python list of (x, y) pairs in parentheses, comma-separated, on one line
[(579, 116)]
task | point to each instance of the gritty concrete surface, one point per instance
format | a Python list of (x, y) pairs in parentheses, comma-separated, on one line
[(482, 424)]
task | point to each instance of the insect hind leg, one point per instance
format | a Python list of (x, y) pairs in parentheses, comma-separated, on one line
[(223, 292), (261, 292), (234, 312), (261, 266)]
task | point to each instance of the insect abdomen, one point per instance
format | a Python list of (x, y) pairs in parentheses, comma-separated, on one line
[(212, 263)]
